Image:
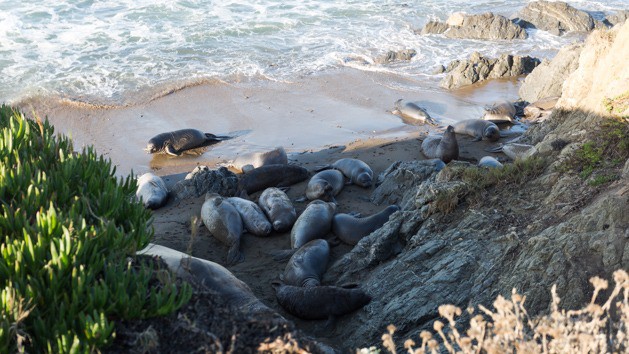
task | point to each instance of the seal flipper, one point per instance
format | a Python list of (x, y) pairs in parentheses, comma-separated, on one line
[(213, 137), (301, 199), (494, 149), (320, 168), (170, 150), (477, 138), (282, 255), (234, 255)]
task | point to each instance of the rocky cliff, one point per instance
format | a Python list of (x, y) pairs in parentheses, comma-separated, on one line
[(466, 235)]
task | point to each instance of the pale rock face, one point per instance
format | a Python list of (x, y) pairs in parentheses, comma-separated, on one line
[(456, 19)]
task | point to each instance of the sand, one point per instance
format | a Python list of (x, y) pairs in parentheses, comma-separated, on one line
[(318, 119)]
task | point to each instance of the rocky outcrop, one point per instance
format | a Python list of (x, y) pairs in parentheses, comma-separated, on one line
[(617, 18), (480, 26), (557, 17), (478, 68), (203, 180), (391, 56), (547, 79)]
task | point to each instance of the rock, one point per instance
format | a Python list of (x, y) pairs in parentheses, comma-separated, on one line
[(618, 18), (485, 26), (547, 78), (557, 17), (393, 183), (439, 69), (456, 19), (202, 180), (434, 27), (478, 68), (391, 56)]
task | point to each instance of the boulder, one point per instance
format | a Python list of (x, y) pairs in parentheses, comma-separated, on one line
[(547, 79), (202, 180), (486, 26), (434, 27), (555, 17), (478, 68), (391, 56), (618, 18)]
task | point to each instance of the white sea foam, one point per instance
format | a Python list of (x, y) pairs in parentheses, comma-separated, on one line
[(108, 51)]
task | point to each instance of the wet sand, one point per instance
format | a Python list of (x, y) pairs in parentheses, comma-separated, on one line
[(317, 119)]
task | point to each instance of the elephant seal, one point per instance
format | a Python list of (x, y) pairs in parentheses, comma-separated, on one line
[(152, 191), (211, 275), (515, 151), (306, 267), (319, 302), (223, 221), (325, 185), (356, 170), (412, 112), (445, 148), (489, 162), (267, 176), (315, 222), (252, 216), (178, 141), (500, 112), (278, 208), (350, 229), (478, 128), (247, 162)]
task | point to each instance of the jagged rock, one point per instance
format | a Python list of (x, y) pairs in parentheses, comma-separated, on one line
[(555, 17), (478, 68), (391, 56), (434, 27), (486, 26), (395, 181), (202, 180), (439, 69), (618, 18), (547, 79)]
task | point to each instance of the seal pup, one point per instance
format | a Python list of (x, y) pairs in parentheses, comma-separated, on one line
[(445, 148), (500, 112), (306, 267), (247, 162), (278, 208), (252, 216), (489, 162), (515, 151), (175, 142), (152, 191), (315, 222), (356, 170), (412, 112), (478, 128), (350, 229), (325, 185), (319, 302), (270, 176), (223, 221)]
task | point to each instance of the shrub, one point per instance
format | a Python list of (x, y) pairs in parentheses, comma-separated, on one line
[(68, 225)]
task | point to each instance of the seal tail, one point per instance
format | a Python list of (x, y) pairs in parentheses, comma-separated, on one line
[(217, 137), (282, 255)]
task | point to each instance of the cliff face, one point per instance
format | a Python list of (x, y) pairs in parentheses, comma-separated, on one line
[(463, 242)]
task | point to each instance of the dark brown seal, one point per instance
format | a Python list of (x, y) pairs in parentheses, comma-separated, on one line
[(350, 229), (445, 147), (306, 267), (478, 128), (319, 302), (178, 141), (267, 176)]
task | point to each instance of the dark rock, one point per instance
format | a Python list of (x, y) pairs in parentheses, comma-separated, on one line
[(202, 180), (557, 18), (395, 181), (478, 68), (486, 26), (391, 56)]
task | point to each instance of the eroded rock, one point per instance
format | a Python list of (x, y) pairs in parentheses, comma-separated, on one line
[(202, 180), (556, 17)]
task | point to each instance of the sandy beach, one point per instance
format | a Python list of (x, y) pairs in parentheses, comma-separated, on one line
[(317, 120)]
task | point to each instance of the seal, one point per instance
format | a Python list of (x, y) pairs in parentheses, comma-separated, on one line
[(500, 112), (152, 191), (350, 229), (211, 275), (306, 267), (478, 128), (319, 302), (248, 162), (356, 170), (325, 185), (178, 141), (445, 148), (489, 162), (315, 222), (515, 151), (412, 113), (223, 221), (278, 208), (252, 216), (267, 176)]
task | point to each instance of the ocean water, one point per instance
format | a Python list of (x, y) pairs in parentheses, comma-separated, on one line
[(123, 51)]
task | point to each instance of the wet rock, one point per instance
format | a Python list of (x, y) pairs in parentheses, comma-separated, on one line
[(557, 17), (391, 56), (547, 79), (202, 180), (434, 27), (618, 18), (439, 69), (478, 68), (486, 26)]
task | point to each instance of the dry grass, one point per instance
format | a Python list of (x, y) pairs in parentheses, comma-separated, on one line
[(508, 329)]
